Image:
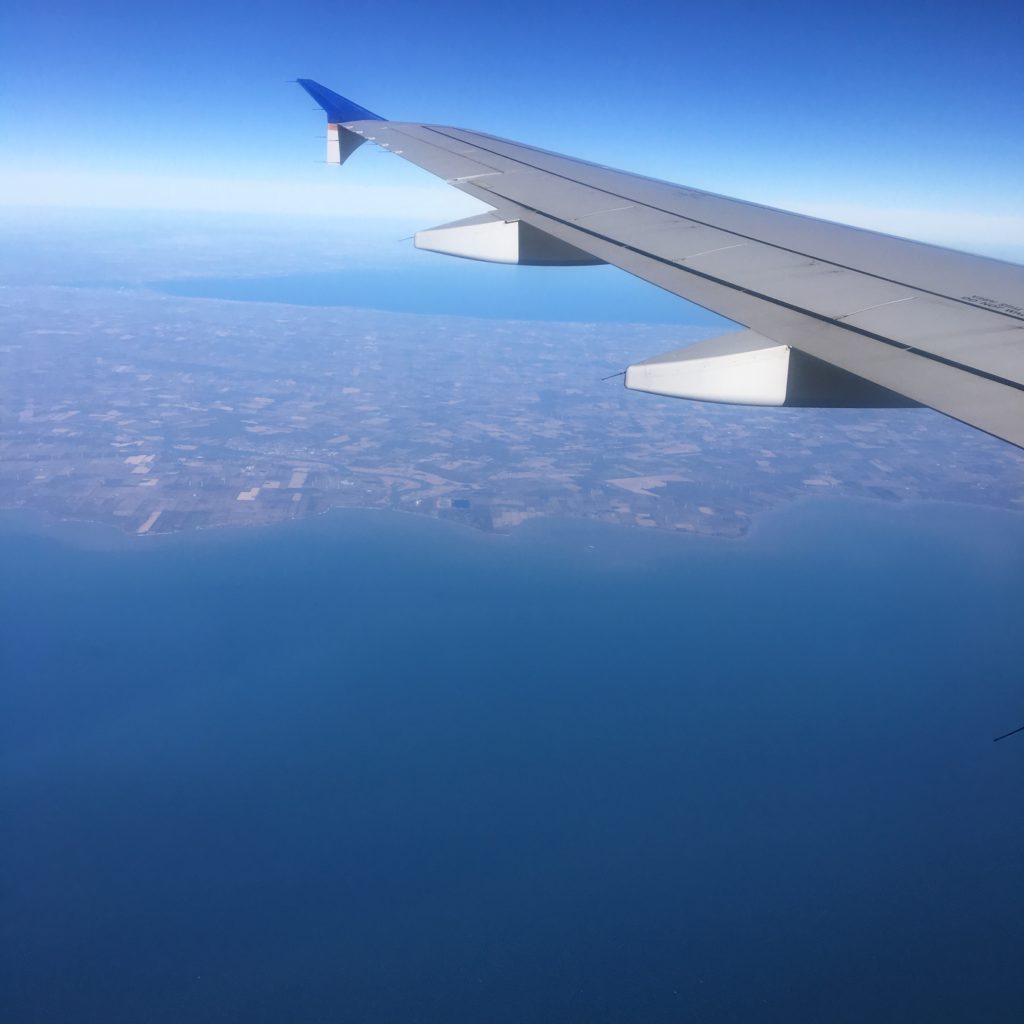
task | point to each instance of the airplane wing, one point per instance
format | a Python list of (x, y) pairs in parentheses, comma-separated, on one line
[(835, 315)]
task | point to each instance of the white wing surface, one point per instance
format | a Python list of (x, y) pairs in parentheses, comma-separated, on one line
[(836, 315)]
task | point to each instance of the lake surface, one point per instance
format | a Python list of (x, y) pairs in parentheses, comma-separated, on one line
[(465, 288), (376, 768)]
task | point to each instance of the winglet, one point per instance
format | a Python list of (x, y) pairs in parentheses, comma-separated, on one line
[(338, 109)]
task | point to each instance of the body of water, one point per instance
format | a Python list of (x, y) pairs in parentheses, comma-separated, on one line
[(376, 768), (449, 286)]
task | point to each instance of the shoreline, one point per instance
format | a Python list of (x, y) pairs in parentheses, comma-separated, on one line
[(96, 535)]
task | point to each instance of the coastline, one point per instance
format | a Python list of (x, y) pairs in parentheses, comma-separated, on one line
[(787, 519)]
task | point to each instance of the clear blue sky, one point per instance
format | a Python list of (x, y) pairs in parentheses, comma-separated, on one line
[(907, 117)]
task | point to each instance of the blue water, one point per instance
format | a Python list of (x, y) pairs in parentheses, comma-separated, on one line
[(462, 287), (374, 768)]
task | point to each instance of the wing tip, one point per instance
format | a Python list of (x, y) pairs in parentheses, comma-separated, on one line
[(338, 109)]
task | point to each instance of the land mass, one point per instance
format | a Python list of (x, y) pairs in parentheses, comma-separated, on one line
[(163, 414)]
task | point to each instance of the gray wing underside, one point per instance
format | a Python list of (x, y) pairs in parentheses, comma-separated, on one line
[(940, 327)]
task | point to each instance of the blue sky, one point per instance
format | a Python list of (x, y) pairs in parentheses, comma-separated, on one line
[(903, 118)]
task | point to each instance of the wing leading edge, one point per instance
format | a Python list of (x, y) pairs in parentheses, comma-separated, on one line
[(872, 319)]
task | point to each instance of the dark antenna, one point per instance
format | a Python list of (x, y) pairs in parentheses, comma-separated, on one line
[(612, 376), (1012, 732)]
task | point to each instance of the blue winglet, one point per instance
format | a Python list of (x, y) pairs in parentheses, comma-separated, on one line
[(338, 109)]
